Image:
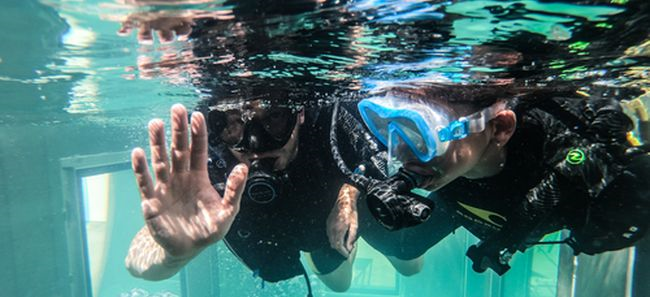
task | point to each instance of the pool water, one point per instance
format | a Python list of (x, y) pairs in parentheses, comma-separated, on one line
[(80, 80)]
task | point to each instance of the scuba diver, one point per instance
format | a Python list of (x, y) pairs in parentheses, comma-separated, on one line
[(287, 186), (263, 146), (508, 165), (248, 177)]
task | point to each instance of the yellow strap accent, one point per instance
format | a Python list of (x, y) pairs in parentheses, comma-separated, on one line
[(483, 214)]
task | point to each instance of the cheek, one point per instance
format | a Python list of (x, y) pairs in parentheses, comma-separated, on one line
[(466, 155), (461, 154)]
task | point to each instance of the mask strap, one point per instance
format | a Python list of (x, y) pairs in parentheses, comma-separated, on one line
[(472, 123), (477, 120)]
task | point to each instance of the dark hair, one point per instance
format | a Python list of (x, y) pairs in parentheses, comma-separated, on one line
[(475, 96)]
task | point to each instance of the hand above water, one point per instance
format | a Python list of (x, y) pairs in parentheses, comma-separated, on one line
[(342, 222), (183, 212), (167, 24)]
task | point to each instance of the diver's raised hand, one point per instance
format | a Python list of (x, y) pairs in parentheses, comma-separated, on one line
[(169, 24), (342, 222), (166, 25), (183, 212)]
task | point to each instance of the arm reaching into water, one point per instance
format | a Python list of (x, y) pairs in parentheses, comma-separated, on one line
[(183, 212)]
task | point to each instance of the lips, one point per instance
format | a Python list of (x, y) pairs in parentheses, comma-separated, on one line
[(421, 169)]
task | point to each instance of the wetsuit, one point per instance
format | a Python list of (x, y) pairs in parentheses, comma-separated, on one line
[(565, 168), (268, 237)]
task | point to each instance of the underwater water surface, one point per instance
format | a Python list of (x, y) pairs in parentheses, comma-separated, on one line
[(80, 80)]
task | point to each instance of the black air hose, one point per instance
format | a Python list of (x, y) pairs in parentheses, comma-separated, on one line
[(359, 181)]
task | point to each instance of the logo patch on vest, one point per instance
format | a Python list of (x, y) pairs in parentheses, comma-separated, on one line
[(487, 218)]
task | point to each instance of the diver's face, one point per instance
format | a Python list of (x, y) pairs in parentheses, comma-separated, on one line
[(460, 159), (276, 124), (264, 125)]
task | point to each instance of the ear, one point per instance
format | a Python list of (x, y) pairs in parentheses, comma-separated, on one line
[(504, 125)]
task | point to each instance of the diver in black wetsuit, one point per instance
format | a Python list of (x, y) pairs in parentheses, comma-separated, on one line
[(292, 179), (292, 182), (509, 167), (262, 191)]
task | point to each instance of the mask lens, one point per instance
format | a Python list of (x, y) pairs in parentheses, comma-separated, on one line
[(255, 129), (227, 125), (408, 129), (413, 136), (278, 122)]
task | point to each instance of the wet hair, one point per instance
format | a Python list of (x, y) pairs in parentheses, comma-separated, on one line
[(474, 97)]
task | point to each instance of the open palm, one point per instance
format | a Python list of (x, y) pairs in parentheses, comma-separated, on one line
[(183, 211)]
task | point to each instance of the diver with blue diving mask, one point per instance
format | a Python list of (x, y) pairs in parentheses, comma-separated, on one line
[(417, 136), (509, 168)]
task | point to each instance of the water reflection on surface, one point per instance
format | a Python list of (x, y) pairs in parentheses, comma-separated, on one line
[(221, 46)]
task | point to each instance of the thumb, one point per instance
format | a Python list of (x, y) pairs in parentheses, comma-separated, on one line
[(235, 186)]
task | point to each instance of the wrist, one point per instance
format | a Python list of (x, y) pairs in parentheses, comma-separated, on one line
[(176, 261)]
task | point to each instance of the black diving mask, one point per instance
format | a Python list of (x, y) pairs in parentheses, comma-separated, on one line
[(253, 128), (257, 128)]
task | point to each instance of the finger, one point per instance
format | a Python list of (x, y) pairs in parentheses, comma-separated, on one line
[(165, 36), (235, 186), (180, 145), (142, 176), (352, 237), (335, 236), (339, 247), (125, 29), (199, 145), (144, 34), (150, 205), (183, 31), (158, 146)]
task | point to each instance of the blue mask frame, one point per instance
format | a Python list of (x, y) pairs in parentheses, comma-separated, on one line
[(455, 130)]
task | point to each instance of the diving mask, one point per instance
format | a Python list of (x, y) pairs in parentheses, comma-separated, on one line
[(416, 131), (254, 128)]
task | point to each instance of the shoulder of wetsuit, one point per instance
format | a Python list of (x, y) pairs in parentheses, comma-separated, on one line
[(571, 126), (571, 121)]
